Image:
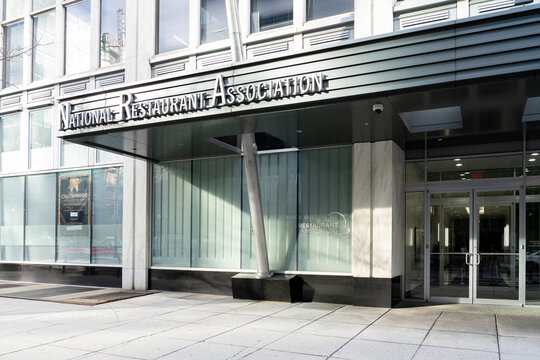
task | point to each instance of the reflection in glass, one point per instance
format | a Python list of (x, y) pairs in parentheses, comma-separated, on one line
[(414, 246), (77, 45), (40, 4), (74, 154), (12, 218), (213, 21), (475, 168), (317, 9), (173, 25), (324, 209), (107, 157), (278, 179), (13, 9), (10, 135), (40, 218), (498, 245), (14, 54), (270, 14), (532, 247), (414, 172), (41, 139), (44, 46), (449, 244), (113, 32), (107, 216)]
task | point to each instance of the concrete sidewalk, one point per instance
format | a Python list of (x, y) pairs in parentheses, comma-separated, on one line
[(193, 326)]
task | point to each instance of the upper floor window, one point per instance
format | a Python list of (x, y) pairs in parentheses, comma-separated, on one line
[(10, 147), (41, 139), (317, 9), (173, 32), (14, 52), (113, 32), (213, 21), (41, 4), (77, 37), (43, 60), (270, 14), (13, 9)]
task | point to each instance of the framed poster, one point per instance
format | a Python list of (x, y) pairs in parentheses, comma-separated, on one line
[(74, 206)]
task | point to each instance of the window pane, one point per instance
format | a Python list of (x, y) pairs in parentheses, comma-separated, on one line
[(40, 4), (74, 154), (414, 246), (270, 14), (171, 216), (113, 31), (173, 25), (10, 128), (15, 48), (78, 37), (213, 21), (12, 218), (475, 168), (107, 216), (317, 9), (277, 177), (41, 156), (324, 210), (13, 9), (107, 157), (44, 46), (532, 247), (40, 217), (74, 216)]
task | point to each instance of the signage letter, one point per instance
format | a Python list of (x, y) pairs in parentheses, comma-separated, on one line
[(126, 100), (219, 90), (65, 112)]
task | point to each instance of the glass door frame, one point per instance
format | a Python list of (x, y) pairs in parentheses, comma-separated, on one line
[(473, 189)]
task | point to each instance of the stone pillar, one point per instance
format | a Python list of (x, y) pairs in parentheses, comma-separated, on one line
[(378, 221)]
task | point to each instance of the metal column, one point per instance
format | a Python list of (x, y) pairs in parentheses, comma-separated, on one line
[(249, 148)]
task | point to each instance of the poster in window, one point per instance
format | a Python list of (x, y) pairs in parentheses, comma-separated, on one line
[(74, 206)]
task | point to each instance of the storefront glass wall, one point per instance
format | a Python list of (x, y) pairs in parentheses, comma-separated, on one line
[(201, 215)]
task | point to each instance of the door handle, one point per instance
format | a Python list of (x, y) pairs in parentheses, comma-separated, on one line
[(468, 258), (477, 257)]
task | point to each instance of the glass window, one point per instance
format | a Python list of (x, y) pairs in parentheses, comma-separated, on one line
[(475, 168), (77, 43), (40, 218), (173, 25), (270, 14), (10, 127), (43, 62), (317, 9), (41, 139), (414, 172), (13, 9), (324, 210), (107, 216), (278, 179), (14, 55), (12, 218), (73, 154), (414, 246), (103, 156), (40, 4), (74, 217), (532, 264), (213, 21), (113, 32)]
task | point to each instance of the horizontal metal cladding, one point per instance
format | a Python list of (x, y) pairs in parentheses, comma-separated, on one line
[(472, 49)]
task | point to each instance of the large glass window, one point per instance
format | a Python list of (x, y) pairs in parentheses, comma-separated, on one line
[(10, 128), (532, 247), (77, 45), (173, 25), (43, 61), (14, 54), (317, 9), (13, 9), (414, 246), (213, 21), (113, 31), (270, 14), (475, 168), (40, 229), (41, 4), (41, 156), (73, 154), (12, 218), (107, 216)]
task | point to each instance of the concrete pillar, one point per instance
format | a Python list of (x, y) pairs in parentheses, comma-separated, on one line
[(378, 210), (462, 9)]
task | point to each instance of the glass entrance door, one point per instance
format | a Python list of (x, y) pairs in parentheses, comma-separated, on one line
[(474, 246)]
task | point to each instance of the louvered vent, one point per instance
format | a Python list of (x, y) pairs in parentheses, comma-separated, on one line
[(169, 69), (215, 60), (73, 88), (425, 19), (111, 80), (11, 101), (495, 5), (40, 95), (270, 49), (336, 36)]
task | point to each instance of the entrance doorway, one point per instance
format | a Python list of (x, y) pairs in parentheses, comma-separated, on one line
[(474, 247)]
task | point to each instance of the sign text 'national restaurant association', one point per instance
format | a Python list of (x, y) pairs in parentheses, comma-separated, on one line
[(223, 95)]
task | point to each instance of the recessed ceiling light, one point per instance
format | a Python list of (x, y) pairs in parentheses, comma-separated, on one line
[(457, 159), (534, 154), (459, 164), (533, 159), (299, 131), (461, 174), (466, 173), (366, 124), (439, 139)]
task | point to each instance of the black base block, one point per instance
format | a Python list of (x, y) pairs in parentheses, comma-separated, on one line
[(277, 288)]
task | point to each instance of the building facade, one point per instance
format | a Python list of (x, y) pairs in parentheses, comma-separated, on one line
[(376, 150)]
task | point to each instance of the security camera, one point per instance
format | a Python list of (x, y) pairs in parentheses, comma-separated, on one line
[(378, 108)]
